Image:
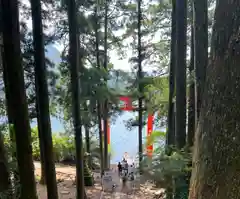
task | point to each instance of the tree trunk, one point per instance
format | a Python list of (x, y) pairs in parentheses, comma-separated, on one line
[(43, 178), (5, 182), (181, 28), (181, 40), (200, 24), (105, 141), (15, 77), (10, 119), (88, 146), (170, 132), (191, 98), (191, 108), (216, 159), (140, 88), (73, 59), (87, 139), (9, 110), (98, 103), (170, 140), (106, 158), (41, 86), (100, 137)]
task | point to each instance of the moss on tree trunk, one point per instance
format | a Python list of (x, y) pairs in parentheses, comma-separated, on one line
[(216, 159)]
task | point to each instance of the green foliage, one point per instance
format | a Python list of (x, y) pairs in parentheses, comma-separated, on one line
[(155, 136), (63, 149), (163, 168), (63, 146), (156, 95), (156, 100)]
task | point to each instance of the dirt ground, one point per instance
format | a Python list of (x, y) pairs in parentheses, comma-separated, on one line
[(66, 187)]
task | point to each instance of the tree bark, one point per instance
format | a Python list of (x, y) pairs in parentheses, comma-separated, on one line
[(191, 98), (87, 138), (15, 77), (181, 28), (97, 26), (200, 29), (44, 124), (100, 136), (75, 89), (43, 178), (5, 182), (105, 106), (170, 140), (170, 132), (88, 145), (10, 119), (181, 40), (140, 88), (216, 158)]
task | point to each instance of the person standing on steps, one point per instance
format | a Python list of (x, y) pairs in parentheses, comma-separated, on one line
[(119, 168)]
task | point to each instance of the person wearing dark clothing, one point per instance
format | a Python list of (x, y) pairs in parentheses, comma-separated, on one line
[(119, 168)]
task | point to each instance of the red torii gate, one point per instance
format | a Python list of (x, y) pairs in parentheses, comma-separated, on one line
[(126, 105)]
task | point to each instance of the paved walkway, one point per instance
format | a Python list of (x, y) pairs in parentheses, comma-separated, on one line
[(122, 191)]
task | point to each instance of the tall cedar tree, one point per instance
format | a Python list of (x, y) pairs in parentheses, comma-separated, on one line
[(98, 103), (5, 183), (170, 132), (100, 136), (43, 179), (181, 38), (43, 101), (106, 158), (140, 77), (171, 113), (15, 77), (8, 107), (200, 17), (75, 89), (9, 113), (87, 136), (191, 98), (216, 158)]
